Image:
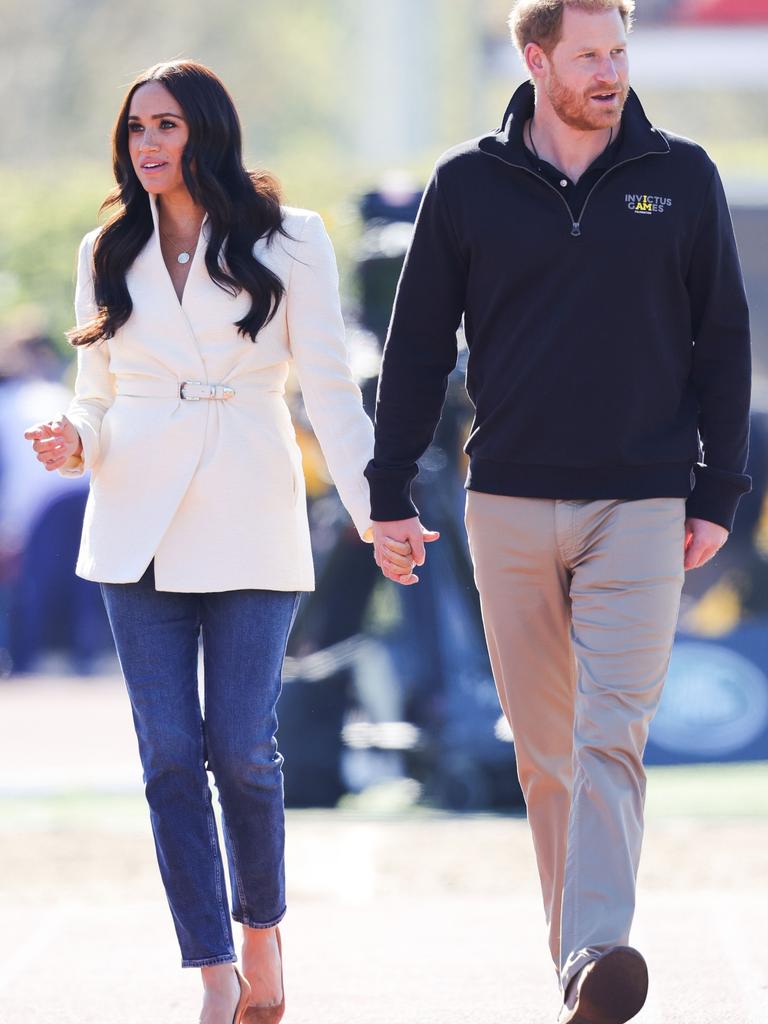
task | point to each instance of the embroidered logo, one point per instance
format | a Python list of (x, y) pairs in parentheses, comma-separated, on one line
[(647, 205)]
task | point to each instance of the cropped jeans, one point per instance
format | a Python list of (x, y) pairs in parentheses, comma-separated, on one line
[(245, 633)]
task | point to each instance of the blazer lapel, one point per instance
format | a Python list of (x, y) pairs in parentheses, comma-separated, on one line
[(151, 287)]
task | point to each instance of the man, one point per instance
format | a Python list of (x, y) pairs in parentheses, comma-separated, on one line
[(593, 260)]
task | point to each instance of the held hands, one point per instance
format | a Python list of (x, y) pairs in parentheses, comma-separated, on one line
[(702, 541), (398, 546), (55, 442)]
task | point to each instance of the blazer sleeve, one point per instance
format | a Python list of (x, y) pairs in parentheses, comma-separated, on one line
[(94, 384), (318, 345)]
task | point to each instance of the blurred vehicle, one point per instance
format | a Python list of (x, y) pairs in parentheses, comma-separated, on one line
[(721, 12)]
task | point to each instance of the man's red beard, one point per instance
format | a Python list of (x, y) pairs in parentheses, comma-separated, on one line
[(579, 111)]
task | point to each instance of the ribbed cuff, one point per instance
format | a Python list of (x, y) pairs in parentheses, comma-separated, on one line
[(391, 493), (716, 495)]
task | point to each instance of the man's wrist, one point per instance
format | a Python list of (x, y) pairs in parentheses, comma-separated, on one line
[(392, 507), (390, 493), (384, 523)]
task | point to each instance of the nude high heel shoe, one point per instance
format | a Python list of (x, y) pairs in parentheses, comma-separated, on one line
[(245, 994), (268, 1014)]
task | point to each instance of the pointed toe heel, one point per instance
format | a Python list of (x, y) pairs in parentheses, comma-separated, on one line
[(245, 994), (269, 1014)]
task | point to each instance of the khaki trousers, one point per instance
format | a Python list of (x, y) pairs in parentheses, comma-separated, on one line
[(580, 602)]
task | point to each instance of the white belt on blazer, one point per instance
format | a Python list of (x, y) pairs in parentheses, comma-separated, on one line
[(189, 390)]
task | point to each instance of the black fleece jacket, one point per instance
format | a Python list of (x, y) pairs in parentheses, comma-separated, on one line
[(609, 353)]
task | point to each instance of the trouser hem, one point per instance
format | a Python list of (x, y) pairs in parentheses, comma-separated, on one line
[(251, 922), (576, 965), (211, 961)]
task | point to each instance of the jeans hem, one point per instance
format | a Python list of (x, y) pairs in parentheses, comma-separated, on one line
[(252, 923), (211, 961)]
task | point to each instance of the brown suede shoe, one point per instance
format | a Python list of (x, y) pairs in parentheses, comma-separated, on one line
[(609, 990), (269, 1014)]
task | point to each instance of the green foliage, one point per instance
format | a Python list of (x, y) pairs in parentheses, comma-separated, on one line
[(44, 215), (65, 70), (304, 77)]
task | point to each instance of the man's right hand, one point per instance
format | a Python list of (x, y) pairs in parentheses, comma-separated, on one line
[(406, 536)]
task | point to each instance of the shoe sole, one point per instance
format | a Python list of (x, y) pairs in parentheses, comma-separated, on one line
[(615, 989)]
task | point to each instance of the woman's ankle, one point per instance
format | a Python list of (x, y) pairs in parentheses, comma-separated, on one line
[(219, 978), (258, 936)]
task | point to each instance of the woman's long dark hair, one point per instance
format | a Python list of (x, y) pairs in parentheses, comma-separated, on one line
[(242, 206)]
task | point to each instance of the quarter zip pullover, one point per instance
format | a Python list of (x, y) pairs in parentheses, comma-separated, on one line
[(608, 346), (576, 193)]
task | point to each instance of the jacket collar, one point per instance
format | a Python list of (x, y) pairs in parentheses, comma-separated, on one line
[(638, 136)]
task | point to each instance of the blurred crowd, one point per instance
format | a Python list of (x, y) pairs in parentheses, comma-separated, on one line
[(381, 682), (44, 607), (52, 621)]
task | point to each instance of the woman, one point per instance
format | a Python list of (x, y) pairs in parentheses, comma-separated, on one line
[(191, 302)]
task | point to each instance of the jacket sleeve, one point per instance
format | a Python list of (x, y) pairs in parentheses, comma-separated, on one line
[(721, 363), (332, 399), (419, 355), (94, 384)]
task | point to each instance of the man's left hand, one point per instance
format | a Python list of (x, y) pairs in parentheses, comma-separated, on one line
[(702, 541)]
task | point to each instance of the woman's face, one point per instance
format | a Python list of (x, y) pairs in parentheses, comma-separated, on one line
[(157, 135)]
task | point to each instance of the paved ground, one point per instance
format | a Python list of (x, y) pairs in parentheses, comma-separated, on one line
[(406, 917)]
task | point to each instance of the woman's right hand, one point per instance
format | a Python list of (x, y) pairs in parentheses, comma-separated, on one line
[(55, 442)]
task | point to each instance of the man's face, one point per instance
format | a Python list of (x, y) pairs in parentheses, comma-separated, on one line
[(588, 71)]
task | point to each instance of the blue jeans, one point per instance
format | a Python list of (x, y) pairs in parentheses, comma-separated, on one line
[(245, 633)]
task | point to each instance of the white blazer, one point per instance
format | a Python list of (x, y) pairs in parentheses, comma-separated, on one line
[(213, 489)]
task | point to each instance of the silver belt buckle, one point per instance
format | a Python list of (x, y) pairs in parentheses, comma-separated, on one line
[(190, 383), (207, 391)]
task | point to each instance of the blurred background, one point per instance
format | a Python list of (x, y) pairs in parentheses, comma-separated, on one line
[(349, 102)]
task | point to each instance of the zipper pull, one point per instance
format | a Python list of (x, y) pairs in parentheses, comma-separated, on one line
[(576, 230)]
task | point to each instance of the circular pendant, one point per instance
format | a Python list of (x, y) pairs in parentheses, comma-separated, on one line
[(183, 257)]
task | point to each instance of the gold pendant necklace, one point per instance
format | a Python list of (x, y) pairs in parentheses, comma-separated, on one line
[(185, 255)]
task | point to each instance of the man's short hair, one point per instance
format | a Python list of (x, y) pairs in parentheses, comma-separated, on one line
[(541, 21)]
